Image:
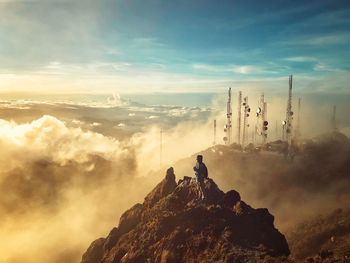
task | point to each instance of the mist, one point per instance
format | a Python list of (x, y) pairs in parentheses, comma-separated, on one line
[(315, 183), (66, 177), (62, 186)]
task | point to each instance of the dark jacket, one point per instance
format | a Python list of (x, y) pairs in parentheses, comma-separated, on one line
[(201, 170)]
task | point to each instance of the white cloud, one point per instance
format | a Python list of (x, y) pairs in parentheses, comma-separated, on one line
[(301, 59), (115, 100), (341, 38), (247, 69), (324, 67), (241, 69), (152, 117), (318, 40), (49, 138), (95, 124), (77, 122)]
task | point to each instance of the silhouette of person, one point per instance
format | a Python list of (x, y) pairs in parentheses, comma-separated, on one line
[(200, 169), (201, 173)]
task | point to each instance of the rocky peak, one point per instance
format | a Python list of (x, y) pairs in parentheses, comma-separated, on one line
[(165, 187), (190, 222)]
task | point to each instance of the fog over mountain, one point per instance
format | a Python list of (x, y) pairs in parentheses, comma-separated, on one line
[(68, 165)]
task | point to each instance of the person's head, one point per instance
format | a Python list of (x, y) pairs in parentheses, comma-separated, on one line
[(199, 158)]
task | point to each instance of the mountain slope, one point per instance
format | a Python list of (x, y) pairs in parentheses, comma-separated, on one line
[(186, 222), (323, 238)]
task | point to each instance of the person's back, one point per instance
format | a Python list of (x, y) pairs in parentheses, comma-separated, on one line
[(200, 169), (203, 170)]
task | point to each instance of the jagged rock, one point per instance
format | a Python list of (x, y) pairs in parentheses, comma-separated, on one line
[(188, 222), (323, 238), (111, 239), (164, 188), (94, 252), (127, 221), (130, 218), (231, 198)]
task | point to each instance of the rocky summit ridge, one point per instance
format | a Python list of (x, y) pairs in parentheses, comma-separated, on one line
[(186, 222)]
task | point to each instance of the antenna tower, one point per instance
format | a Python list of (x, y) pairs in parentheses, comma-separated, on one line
[(289, 114), (239, 117), (264, 123), (261, 115), (245, 120), (228, 126), (334, 119)]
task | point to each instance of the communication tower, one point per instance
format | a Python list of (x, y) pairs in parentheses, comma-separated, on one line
[(334, 119), (288, 127), (228, 125), (262, 123), (245, 120), (239, 121)]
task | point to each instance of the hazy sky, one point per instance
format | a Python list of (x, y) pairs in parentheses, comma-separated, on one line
[(178, 45)]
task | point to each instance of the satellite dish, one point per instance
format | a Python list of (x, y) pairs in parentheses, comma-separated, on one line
[(258, 110), (284, 123)]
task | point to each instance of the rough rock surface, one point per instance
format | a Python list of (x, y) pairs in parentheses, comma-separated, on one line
[(323, 239), (186, 222)]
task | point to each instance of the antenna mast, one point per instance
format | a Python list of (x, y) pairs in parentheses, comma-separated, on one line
[(261, 115), (239, 117), (334, 119), (264, 123), (245, 120), (228, 126), (289, 114)]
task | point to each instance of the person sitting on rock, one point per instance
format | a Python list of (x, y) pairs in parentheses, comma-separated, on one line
[(200, 169)]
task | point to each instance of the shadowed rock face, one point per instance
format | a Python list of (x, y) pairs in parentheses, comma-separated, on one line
[(186, 222), (322, 239)]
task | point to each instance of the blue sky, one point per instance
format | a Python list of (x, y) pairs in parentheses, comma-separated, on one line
[(158, 45)]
